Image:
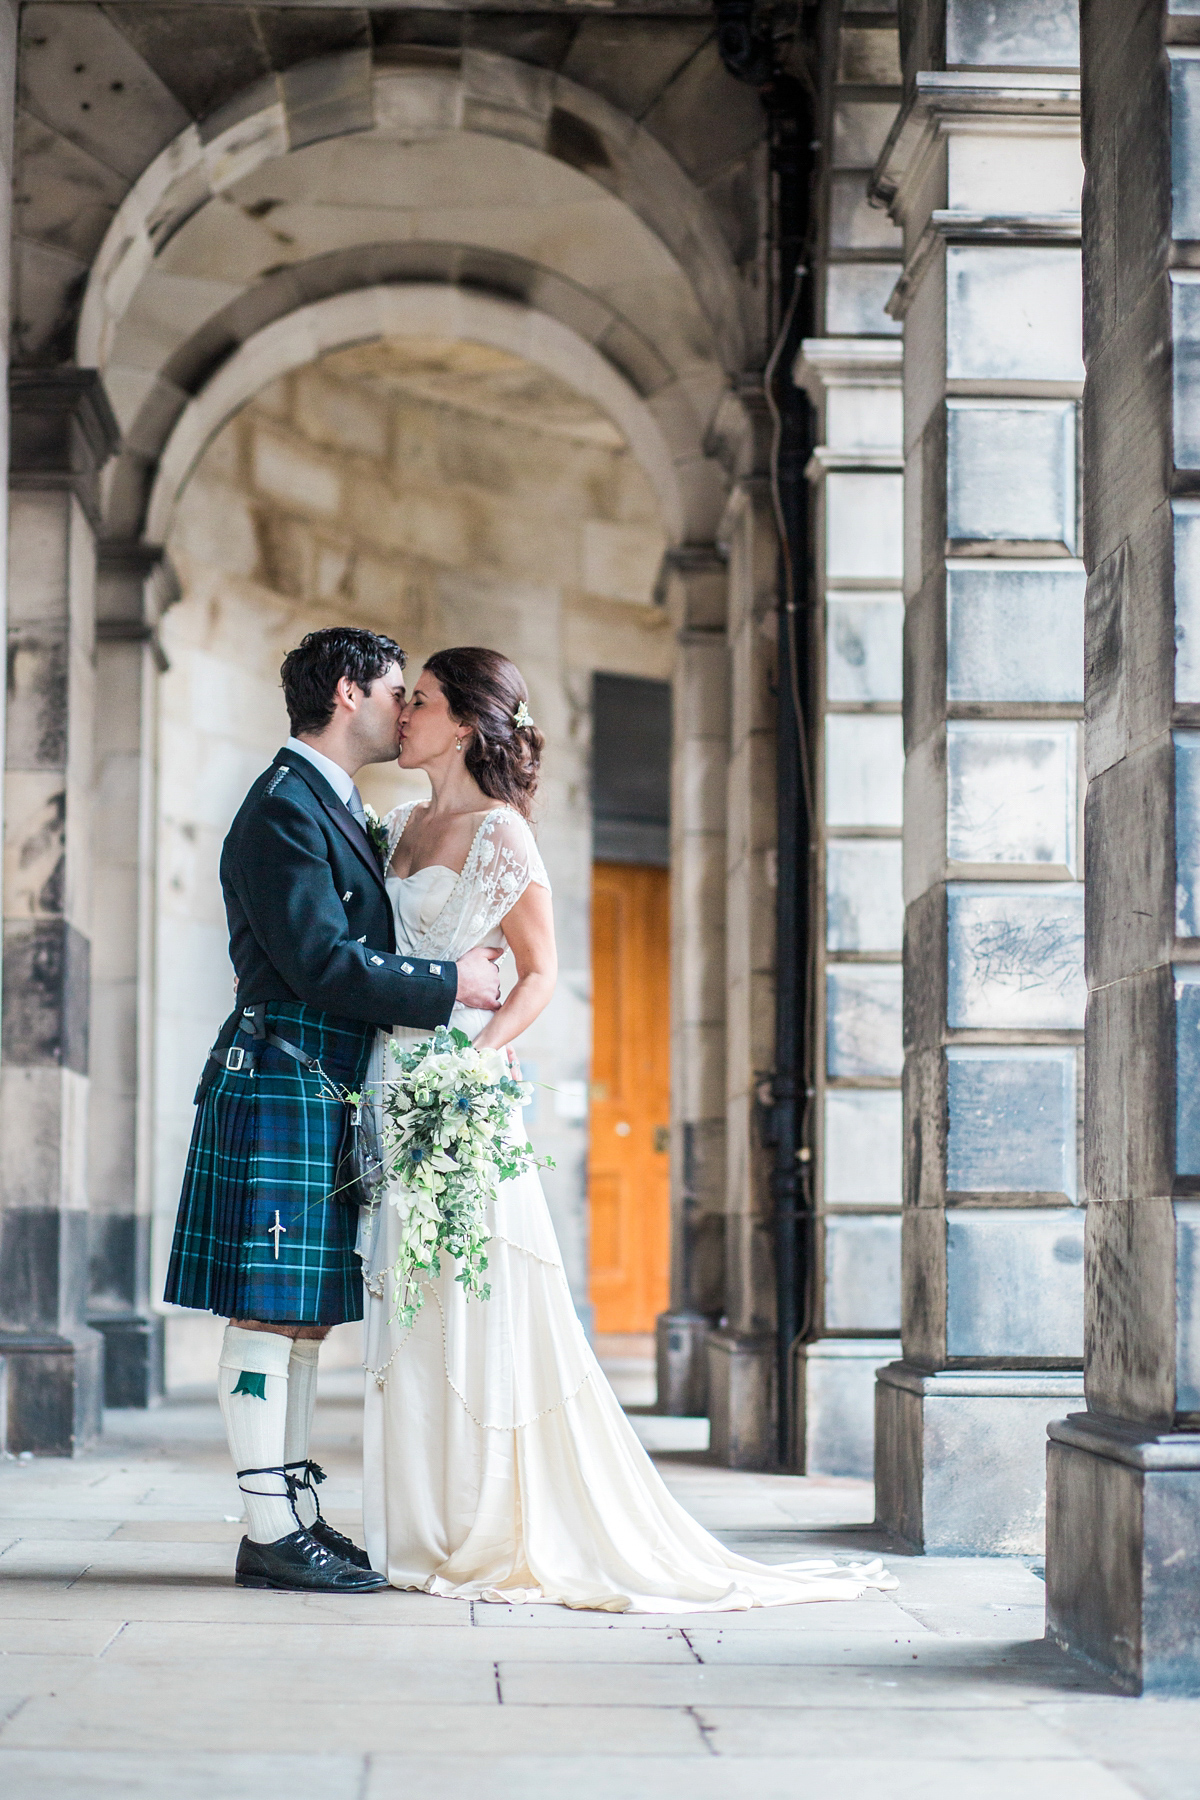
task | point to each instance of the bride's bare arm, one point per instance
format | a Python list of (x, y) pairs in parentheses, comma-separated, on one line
[(529, 928)]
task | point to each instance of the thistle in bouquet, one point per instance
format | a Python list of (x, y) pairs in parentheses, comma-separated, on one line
[(449, 1136)]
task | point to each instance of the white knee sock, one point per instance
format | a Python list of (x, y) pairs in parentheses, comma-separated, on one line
[(301, 1400), (255, 1424)]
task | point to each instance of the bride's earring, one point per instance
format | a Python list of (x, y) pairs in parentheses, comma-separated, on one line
[(458, 743)]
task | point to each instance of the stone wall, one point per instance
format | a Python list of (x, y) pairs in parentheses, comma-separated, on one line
[(445, 493)]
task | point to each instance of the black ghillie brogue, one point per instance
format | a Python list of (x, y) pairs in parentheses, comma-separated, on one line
[(300, 1564), (311, 1475)]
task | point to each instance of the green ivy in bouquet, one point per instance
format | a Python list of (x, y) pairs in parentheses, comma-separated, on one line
[(448, 1138)]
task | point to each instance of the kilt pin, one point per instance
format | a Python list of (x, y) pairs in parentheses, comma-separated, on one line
[(261, 1232)]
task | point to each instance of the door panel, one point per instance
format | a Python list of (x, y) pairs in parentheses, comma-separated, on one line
[(627, 1161)]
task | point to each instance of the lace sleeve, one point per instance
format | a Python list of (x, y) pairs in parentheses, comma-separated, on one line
[(503, 861), (508, 862)]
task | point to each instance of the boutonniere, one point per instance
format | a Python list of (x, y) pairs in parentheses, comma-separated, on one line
[(377, 831)]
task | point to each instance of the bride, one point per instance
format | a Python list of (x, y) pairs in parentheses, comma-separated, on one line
[(498, 1464)]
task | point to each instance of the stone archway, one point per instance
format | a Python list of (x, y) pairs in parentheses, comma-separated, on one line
[(534, 190)]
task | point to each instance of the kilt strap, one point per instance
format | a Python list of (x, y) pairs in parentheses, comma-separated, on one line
[(225, 1059)]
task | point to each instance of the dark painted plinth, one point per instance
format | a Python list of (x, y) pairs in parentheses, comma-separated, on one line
[(133, 1359), (51, 1390), (1123, 1551), (681, 1361)]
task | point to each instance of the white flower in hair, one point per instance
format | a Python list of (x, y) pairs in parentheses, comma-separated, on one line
[(521, 717)]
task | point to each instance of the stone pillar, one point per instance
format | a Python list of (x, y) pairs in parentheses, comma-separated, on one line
[(133, 586), (741, 1353), (1123, 1536), (850, 368), (854, 383), (982, 171), (696, 600), (62, 432)]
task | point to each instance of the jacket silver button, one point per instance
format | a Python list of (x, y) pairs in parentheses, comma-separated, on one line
[(349, 894), (362, 939), (378, 961), (435, 968), (406, 968)]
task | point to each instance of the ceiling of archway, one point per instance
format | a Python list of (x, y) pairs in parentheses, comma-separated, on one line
[(479, 380), (385, 476)]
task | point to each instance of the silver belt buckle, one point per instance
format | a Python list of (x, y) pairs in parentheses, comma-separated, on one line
[(235, 1050)]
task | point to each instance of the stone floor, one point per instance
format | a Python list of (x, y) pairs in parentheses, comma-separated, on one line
[(132, 1669)]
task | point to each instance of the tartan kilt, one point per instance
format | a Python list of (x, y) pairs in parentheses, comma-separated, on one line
[(267, 1139)]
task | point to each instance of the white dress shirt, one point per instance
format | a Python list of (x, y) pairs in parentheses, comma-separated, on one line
[(341, 783)]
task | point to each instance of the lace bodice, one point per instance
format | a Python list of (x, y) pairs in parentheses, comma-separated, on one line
[(501, 863)]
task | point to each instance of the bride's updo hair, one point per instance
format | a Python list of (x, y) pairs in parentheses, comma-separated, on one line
[(487, 692)]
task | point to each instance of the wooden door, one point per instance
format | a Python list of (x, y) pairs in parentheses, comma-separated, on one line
[(627, 1161)]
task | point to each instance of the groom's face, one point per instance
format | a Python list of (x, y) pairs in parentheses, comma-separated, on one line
[(378, 717)]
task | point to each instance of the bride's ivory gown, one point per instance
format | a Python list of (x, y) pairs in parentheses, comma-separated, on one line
[(498, 1464)]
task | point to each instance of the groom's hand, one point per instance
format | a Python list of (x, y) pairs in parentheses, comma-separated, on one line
[(479, 980)]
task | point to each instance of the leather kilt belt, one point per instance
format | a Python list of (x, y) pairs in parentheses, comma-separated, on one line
[(262, 1232)]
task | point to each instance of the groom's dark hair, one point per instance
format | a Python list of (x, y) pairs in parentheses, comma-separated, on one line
[(313, 669)]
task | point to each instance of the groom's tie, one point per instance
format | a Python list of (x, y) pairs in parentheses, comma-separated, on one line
[(357, 810)]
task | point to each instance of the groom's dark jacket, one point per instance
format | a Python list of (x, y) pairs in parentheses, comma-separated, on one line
[(309, 915)]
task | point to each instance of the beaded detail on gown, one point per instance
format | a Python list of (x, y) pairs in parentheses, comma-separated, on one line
[(498, 1464)]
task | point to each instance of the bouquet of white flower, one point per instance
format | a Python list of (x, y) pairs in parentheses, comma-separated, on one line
[(448, 1138)]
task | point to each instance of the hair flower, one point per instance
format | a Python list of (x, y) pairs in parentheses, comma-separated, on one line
[(521, 717)]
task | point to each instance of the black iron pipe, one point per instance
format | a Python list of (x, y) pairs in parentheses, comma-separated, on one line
[(791, 1184), (755, 48)]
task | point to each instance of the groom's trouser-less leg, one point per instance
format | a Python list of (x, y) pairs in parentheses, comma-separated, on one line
[(252, 1389)]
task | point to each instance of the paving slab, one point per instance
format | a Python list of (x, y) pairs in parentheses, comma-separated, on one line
[(876, 1613), (121, 1775), (97, 1720), (874, 1649), (143, 1641), (980, 1620), (217, 1599), (621, 1777), (920, 1733), (887, 1688), (57, 1637)]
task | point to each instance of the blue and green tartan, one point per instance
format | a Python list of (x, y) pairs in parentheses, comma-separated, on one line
[(268, 1137)]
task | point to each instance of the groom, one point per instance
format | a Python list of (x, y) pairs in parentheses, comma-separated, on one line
[(263, 1236)]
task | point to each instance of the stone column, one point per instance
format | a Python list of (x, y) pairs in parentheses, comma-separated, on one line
[(62, 432), (133, 586), (850, 368), (982, 171), (741, 1353), (1123, 1531), (854, 383), (696, 600)]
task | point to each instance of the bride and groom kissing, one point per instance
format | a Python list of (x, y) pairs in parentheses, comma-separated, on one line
[(498, 1464)]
